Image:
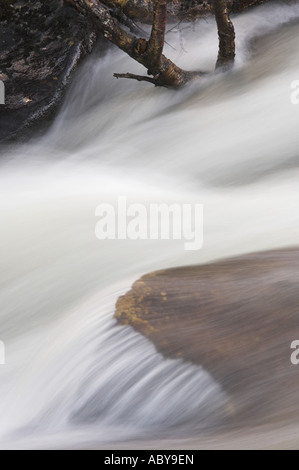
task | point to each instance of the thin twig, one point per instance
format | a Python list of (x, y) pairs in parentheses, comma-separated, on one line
[(139, 78)]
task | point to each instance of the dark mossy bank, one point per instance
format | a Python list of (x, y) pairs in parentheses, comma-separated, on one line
[(41, 45)]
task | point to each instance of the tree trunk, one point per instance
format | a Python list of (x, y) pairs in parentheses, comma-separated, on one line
[(226, 33), (156, 41)]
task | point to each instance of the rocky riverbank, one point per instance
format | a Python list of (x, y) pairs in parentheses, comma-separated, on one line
[(42, 44)]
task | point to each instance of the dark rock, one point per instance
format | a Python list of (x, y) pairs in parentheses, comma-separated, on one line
[(41, 44), (237, 318)]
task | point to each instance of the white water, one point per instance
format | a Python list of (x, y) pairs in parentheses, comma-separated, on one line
[(73, 378)]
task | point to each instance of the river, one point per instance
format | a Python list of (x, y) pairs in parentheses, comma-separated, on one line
[(73, 378)]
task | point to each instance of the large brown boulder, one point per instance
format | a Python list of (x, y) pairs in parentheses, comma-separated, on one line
[(237, 318)]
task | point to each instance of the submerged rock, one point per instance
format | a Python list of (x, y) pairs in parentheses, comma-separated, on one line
[(237, 318), (41, 45)]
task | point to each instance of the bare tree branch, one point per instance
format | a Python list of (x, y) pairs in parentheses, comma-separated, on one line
[(139, 78), (156, 41), (167, 74), (226, 33)]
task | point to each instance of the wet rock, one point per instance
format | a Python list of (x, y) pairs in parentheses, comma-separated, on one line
[(41, 44), (237, 318)]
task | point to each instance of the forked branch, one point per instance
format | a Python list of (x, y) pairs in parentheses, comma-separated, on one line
[(162, 71), (165, 72)]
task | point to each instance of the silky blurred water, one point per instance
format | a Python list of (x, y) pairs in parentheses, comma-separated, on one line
[(72, 377)]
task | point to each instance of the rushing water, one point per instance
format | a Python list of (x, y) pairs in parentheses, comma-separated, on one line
[(73, 378)]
